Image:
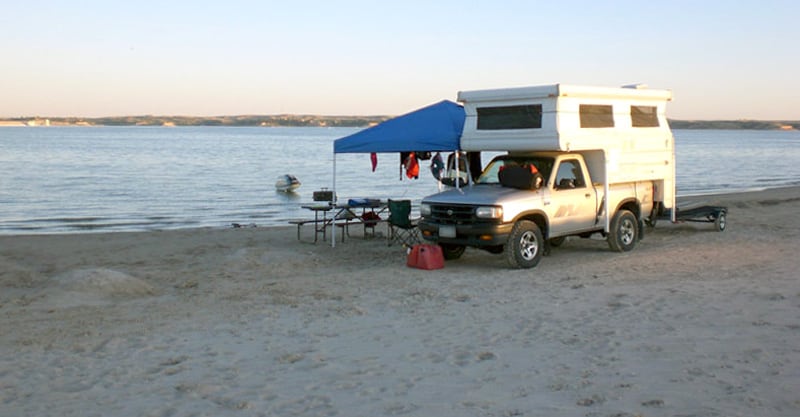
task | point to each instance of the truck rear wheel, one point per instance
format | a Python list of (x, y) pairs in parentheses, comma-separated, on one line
[(451, 252), (525, 245), (624, 231)]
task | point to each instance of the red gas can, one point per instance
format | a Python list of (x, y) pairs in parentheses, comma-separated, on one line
[(426, 256)]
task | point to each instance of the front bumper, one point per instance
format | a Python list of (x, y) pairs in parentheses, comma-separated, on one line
[(475, 235)]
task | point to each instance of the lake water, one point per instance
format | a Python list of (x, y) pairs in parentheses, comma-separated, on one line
[(67, 179)]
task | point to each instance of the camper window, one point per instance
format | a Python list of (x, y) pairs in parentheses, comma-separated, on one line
[(510, 117), (644, 116), (594, 115)]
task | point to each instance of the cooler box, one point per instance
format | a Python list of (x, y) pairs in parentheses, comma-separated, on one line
[(323, 195), (426, 256)]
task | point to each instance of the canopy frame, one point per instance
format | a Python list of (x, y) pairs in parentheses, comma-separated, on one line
[(434, 128)]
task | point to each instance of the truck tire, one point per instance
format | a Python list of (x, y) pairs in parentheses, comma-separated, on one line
[(525, 245), (451, 252), (624, 231)]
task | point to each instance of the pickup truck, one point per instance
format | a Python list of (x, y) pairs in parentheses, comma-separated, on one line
[(524, 222)]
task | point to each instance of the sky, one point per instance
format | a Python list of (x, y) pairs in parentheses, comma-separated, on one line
[(721, 59)]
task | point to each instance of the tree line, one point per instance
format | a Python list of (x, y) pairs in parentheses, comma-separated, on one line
[(343, 121)]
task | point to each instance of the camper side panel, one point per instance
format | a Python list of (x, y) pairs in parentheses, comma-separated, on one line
[(604, 119)]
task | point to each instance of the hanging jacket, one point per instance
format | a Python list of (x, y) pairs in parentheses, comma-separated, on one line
[(412, 166)]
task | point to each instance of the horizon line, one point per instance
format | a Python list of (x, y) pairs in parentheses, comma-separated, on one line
[(154, 116)]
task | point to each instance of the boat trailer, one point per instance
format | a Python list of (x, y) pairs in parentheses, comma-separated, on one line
[(698, 214)]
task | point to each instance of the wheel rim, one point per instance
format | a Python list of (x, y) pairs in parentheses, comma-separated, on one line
[(627, 232), (721, 222), (528, 246)]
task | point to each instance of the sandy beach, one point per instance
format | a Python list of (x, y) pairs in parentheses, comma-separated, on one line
[(251, 322)]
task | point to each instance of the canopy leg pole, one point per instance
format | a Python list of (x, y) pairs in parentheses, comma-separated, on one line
[(458, 171), (333, 222)]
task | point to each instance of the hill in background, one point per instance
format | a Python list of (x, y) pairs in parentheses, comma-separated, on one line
[(736, 124), (330, 121), (243, 120)]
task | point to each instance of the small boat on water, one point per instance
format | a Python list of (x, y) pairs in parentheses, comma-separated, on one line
[(287, 183)]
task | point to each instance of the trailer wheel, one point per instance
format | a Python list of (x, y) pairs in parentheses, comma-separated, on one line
[(525, 245), (451, 252), (624, 231), (721, 221)]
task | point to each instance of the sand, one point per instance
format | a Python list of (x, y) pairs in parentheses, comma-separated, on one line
[(251, 322)]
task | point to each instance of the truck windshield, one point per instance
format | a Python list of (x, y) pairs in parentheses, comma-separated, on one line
[(490, 173)]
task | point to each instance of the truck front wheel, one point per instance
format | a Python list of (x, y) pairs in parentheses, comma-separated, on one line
[(525, 245), (624, 231)]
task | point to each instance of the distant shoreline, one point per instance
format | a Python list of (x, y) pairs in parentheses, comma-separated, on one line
[(242, 120), (331, 121)]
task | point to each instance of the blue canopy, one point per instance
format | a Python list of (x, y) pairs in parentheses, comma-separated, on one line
[(433, 128)]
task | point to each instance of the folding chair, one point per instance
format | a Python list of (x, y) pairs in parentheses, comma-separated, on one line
[(402, 229)]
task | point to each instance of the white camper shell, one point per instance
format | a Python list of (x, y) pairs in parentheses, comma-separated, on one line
[(622, 133)]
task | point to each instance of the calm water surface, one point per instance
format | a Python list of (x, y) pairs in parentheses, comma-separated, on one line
[(66, 179)]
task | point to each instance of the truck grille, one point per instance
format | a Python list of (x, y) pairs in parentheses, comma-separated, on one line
[(452, 214)]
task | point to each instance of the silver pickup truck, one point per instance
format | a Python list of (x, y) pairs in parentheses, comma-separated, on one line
[(523, 220)]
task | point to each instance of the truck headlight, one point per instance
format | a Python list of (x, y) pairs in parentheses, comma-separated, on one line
[(425, 209), (489, 212)]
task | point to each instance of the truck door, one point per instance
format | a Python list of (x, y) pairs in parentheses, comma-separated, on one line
[(573, 202)]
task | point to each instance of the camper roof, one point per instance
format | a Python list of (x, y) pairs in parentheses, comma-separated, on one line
[(638, 92)]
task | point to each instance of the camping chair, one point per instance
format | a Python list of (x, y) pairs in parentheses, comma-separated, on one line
[(402, 228)]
